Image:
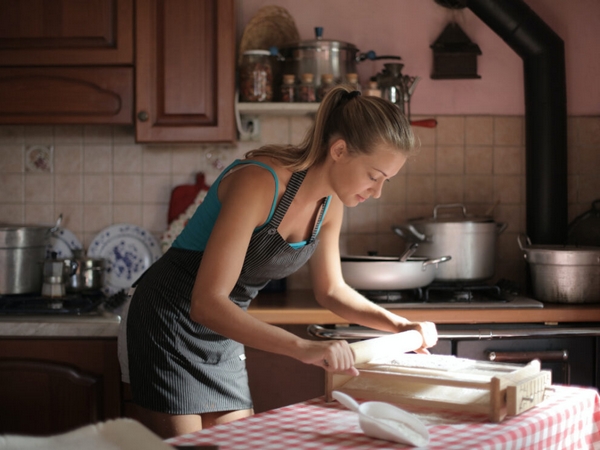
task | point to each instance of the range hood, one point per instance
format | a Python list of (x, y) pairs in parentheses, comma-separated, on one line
[(542, 51)]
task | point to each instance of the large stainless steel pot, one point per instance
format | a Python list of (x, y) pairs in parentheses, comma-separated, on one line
[(83, 274), (470, 240), (563, 274), (22, 252), (382, 273), (323, 56)]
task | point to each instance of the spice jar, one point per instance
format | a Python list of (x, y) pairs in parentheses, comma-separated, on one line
[(306, 90), (373, 89), (352, 80), (256, 77), (326, 85), (288, 88)]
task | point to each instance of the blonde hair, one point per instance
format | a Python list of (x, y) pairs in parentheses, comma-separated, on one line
[(362, 121)]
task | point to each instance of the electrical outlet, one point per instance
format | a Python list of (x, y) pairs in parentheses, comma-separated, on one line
[(250, 128)]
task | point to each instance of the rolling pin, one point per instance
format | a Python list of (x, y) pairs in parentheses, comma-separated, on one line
[(386, 346)]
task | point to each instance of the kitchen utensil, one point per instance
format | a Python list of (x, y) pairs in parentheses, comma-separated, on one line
[(562, 273), (470, 240), (412, 248), (386, 346), (83, 274), (445, 382), (22, 250), (323, 56), (384, 421), (585, 228), (53, 285), (388, 273)]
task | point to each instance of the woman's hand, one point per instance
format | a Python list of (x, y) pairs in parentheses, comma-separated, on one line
[(428, 332), (333, 356)]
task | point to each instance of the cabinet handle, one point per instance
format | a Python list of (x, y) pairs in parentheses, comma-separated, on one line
[(143, 116), (555, 355)]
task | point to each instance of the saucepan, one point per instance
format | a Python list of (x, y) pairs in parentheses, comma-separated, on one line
[(377, 273), (385, 421)]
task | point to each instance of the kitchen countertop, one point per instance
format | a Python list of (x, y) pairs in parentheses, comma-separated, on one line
[(97, 325), (299, 307)]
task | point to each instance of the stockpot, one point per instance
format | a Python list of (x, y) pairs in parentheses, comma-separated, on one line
[(563, 273), (388, 273), (470, 240), (323, 56), (22, 252)]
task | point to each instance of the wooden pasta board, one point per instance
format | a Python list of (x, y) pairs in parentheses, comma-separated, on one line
[(446, 382)]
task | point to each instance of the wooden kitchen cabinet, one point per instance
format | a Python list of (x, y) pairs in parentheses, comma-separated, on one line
[(50, 386), (66, 62), (66, 32), (277, 380), (185, 71)]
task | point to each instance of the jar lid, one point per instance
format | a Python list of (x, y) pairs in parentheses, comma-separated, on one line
[(307, 77), (257, 52)]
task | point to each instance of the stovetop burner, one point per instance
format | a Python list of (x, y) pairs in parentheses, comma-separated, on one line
[(504, 294), (34, 304)]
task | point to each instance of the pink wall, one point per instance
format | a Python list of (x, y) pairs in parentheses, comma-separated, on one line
[(408, 27)]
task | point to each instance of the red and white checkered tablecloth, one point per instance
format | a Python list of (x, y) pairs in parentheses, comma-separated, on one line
[(568, 419)]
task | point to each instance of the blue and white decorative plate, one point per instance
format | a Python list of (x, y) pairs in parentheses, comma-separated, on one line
[(63, 242), (128, 250)]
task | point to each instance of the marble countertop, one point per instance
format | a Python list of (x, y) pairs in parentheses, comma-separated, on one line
[(94, 325)]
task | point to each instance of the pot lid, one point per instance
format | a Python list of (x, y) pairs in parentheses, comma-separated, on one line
[(320, 43), (452, 213)]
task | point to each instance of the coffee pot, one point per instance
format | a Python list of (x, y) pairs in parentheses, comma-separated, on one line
[(396, 87), (53, 284)]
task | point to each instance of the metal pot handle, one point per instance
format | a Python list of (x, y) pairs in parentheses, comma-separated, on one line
[(500, 227), (436, 261), (521, 246), (408, 232), (450, 205)]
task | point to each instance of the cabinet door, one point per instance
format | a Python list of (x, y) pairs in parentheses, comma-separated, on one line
[(571, 360), (185, 70), (53, 385), (61, 95), (277, 380), (66, 32)]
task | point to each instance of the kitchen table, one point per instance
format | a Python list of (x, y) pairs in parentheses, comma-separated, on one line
[(569, 418)]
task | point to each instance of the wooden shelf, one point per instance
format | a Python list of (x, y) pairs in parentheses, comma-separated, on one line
[(277, 108)]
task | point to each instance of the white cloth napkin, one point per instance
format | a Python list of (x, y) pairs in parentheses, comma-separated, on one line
[(118, 434)]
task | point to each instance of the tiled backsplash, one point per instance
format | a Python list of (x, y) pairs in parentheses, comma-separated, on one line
[(97, 176)]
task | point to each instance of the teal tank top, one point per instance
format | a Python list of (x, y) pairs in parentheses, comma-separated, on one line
[(199, 227)]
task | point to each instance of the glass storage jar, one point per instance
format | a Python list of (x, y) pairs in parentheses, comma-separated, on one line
[(307, 90), (288, 89), (326, 85), (256, 76)]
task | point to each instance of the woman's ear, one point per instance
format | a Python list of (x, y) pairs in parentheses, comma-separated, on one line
[(338, 149)]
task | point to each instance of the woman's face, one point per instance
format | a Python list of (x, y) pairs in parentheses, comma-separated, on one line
[(355, 178)]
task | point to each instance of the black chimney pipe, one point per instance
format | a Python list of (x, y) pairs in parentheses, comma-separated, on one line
[(542, 51)]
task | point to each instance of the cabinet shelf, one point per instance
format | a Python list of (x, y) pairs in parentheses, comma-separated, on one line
[(276, 108)]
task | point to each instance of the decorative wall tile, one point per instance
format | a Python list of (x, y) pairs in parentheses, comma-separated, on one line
[(39, 158)]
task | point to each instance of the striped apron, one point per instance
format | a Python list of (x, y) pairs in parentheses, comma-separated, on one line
[(178, 366)]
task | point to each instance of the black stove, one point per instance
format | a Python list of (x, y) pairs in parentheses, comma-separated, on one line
[(35, 304), (440, 295)]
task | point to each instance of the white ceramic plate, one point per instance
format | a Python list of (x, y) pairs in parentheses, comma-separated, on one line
[(63, 242), (129, 250)]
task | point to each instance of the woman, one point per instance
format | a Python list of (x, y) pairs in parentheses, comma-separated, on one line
[(262, 219)]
